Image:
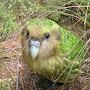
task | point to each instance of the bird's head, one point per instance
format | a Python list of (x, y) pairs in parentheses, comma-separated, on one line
[(39, 43)]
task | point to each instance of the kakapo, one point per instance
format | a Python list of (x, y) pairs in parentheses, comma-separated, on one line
[(52, 51)]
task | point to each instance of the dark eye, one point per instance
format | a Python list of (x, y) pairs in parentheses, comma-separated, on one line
[(46, 35), (27, 34)]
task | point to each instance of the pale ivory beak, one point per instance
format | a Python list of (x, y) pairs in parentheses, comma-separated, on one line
[(34, 48)]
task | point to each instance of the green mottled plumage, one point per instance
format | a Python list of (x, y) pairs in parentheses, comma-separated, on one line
[(66, 66)]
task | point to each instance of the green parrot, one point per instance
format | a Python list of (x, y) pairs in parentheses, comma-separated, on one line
[(52, 51)]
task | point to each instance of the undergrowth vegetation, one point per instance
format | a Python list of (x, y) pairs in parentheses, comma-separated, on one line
[(71, 14)]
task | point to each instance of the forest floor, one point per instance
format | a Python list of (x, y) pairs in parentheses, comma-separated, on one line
[(14, 73)]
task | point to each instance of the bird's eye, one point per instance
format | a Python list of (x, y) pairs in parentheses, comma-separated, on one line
[(27, 34), (46, 35)]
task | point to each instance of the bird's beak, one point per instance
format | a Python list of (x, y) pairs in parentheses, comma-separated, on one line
[(34, 48)]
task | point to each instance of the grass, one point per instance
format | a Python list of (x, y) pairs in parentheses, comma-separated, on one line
[(11, 19)]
